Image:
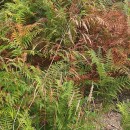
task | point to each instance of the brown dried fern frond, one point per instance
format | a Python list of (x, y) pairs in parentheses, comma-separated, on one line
[(117, 21), (105, 30)]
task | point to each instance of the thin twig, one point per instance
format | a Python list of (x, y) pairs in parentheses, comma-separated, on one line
[(91, 93)]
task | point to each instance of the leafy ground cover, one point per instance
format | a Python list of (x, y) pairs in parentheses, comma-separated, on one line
[(63, 63)]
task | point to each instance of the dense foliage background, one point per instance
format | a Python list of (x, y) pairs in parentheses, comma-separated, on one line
[(62, 62)]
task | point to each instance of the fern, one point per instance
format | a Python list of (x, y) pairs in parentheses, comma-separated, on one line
[(100, 66), (108, 83), (17, 11), (25, 122), (66, 109), (54, 57), (6, 122), (124, 109)]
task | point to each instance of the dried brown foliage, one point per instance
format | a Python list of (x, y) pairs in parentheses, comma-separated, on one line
[(105, 30)]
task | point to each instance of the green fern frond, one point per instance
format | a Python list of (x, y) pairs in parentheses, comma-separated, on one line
[(100, 66), (124, 108)]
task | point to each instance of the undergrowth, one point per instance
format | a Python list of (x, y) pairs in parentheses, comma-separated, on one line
[(61, 59)]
